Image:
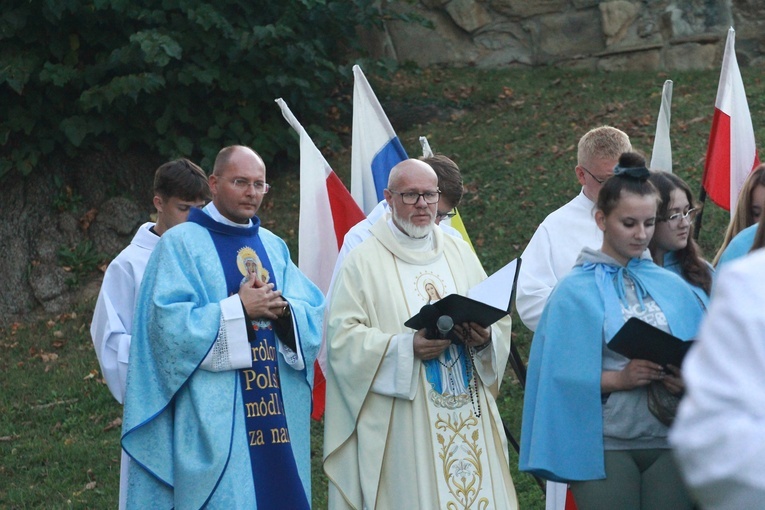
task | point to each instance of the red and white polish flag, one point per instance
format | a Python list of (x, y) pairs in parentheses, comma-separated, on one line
[(731, 152), (327, 212)]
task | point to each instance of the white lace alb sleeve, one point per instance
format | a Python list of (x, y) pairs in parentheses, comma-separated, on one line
[(231, 350)]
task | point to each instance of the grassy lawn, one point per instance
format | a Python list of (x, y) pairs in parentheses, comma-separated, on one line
[(514, 135)]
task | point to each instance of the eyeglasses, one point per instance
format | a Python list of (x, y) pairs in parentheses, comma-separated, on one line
[(598, 180), (443, 215), (675, 219), (411, 197), (243, 184)]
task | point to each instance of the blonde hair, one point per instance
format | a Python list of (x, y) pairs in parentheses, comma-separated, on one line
[(742, 217), (604, 142)]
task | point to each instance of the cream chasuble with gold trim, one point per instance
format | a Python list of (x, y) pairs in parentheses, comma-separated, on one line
[(440, 448)]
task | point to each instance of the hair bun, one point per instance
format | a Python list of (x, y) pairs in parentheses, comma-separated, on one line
[(640, 173)]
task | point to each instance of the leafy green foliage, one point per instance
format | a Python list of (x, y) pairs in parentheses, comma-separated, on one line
[(79, 260), (182, 79)]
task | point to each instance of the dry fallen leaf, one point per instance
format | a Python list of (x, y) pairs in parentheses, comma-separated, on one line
[(87, 219), (47, 357), (116, 423)]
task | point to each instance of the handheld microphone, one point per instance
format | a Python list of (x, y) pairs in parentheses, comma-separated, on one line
[(444, 324), (429, 315)]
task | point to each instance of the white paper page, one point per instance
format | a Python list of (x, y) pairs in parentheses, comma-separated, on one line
[(496, 289)]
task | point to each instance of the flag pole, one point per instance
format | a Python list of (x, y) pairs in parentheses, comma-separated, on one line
[(697, 223)]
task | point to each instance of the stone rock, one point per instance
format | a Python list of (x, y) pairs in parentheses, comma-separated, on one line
[(566, 33), (48, 279), (509, 43), (446, 43), (649, 60), (433, 4), (571, 34), (582, 4), (42, 214), (116, 223), (692, 56), (676, 23), (616, 18), (15, 294), (527, 9), (468, 14)]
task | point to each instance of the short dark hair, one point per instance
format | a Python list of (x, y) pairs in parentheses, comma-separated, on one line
[(183, 179), (449, 177)]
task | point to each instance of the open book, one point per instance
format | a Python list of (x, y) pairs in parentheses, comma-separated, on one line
[(639, 340), (485, 303)]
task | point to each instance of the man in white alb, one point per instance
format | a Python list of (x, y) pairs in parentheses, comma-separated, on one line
[(179, 186)]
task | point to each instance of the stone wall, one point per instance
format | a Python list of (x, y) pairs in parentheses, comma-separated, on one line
[(611, 35), (98, 200)]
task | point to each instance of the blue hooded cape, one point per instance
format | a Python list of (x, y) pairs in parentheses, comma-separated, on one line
[(183, 426), (672, 263), (738, 246), (562, 429)]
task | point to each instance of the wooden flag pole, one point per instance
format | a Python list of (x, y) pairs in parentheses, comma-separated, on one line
[(697, 223)]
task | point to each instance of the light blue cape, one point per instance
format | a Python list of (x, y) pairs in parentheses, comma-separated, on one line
[(738, 246), (672, 263), (562, 429)]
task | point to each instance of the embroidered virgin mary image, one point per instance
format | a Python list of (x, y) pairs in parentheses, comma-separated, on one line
[(249, 264)]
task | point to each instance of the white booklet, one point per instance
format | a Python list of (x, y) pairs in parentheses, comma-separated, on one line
[(498, 290)]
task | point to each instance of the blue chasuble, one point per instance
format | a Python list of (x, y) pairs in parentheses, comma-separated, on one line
[(274, 472), (185, 427)]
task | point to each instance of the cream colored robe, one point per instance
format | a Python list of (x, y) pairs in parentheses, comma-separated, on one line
[(378, 451)]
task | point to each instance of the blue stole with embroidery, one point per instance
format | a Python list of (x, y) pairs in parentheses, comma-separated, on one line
[(274, 471)]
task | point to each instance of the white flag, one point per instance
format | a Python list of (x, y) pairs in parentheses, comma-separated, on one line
[(661, 156)]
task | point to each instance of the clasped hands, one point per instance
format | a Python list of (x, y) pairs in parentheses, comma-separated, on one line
[(640, 372), (260, 300), (470, 333)]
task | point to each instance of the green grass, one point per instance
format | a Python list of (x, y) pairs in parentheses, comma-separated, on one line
[(514, 135)]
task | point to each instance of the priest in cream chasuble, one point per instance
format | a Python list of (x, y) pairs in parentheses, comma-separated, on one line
[(403, 429)]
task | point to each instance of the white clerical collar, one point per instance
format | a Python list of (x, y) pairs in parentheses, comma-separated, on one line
[(411, 243), (215, 214)]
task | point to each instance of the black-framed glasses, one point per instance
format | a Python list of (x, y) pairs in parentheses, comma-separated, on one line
[(444, 215), (411, 197), (243, 184), (675, 219), (597, 179)]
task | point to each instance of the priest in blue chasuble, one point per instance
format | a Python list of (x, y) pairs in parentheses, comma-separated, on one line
[(227, 329)]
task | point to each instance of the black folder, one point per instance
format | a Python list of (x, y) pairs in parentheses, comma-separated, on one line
[(461, 309), (639, 340)]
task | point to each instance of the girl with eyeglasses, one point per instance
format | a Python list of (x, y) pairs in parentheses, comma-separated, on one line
[(672, 245), (588, 418)]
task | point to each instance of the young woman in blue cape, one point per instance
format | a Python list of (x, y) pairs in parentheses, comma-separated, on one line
[(586, 418), (672, 246)]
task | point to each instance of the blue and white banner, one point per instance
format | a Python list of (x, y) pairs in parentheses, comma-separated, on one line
[(375, 147)]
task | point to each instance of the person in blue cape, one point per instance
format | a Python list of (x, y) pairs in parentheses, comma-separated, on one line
[(738, 246), (748, 240), (747, 214), (672, 245), (586, 415), (227, 329)]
